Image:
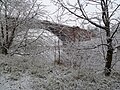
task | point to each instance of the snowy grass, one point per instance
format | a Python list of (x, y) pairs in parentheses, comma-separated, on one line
[(81, 69), (23, 73)]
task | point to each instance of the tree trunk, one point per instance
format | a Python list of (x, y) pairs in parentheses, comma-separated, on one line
[(109, 58), (4, 50)]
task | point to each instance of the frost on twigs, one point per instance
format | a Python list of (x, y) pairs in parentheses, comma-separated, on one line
[(80, 68), (23, 73)]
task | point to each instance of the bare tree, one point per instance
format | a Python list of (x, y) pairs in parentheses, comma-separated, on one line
[(101, 12), (14, 14)]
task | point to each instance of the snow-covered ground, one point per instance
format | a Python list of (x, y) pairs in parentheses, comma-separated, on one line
[(81, 69), (31, 73)]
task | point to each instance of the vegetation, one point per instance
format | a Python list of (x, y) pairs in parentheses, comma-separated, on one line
[(38, 54), (104, 17), (14, 14)]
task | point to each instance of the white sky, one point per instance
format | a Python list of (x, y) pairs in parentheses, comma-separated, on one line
[(52, 8)]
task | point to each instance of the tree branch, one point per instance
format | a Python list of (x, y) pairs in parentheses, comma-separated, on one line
[(114, 11), (115, 30), (82, 17)]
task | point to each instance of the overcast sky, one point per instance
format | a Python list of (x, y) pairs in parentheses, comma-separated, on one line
[(52, 8)]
